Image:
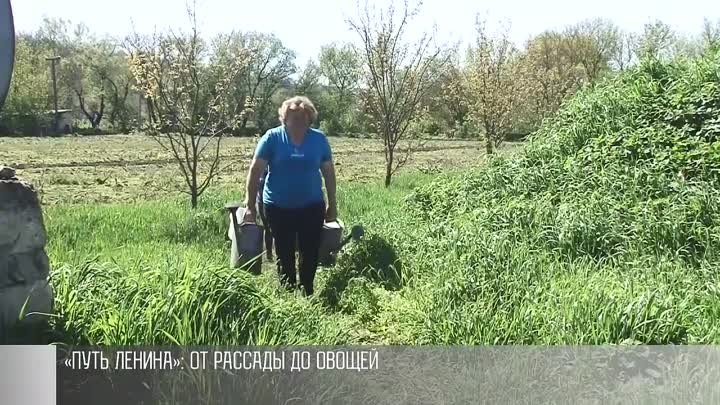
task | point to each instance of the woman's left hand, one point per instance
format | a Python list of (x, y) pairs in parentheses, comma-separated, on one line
[(331, 213)]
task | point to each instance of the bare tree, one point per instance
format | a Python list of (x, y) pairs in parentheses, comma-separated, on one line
[(656, 41), (687, 46), (711, 34), (494, 83), (398, 77), (596, 41), (553, 69), (271, 64), (190, 100), (308, 82), (624, 54), (449, 100), (341, 67), (90, 70), (120, 80)]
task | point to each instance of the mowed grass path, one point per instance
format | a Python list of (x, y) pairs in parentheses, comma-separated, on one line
[(154, 272)]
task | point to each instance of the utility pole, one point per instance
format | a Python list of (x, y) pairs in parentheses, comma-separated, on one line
[(53, 60)]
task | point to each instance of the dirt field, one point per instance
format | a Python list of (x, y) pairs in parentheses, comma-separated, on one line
[(111, 168)]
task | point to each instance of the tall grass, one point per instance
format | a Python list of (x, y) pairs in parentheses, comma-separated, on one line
[(158, 273), (603, 229)]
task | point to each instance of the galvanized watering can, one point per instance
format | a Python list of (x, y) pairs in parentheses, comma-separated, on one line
[(246, 240), (332, 241)]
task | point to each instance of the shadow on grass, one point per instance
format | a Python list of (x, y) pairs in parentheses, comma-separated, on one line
[(372, 259)]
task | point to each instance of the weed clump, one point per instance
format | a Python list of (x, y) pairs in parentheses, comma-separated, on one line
[(372, 259)]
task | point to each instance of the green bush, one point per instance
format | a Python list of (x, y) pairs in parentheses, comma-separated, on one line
[(342, 124), (24, 124)]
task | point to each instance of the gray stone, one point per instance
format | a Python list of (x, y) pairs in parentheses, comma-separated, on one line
[(42, 263), (25, 304), (17, 194), (24, 265), (7, 173), (30, 229), (22, 268)]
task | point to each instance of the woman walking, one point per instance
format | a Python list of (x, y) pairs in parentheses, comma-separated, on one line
[(297, 158)]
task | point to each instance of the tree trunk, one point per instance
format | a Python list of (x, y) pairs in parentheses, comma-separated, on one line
[(193, 198), (193, 188), (118, 104), (150, 110), (81, 100), (488, 144), (388, 168), (100, 114)]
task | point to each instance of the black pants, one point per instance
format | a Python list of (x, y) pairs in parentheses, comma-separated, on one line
[(301, 227)]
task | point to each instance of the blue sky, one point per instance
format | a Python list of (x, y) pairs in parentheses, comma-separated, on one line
[(306, 25)]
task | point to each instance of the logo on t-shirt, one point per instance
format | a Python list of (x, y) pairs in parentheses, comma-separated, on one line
[(297, 154)]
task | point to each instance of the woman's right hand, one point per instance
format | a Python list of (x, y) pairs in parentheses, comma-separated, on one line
[(250, 216)]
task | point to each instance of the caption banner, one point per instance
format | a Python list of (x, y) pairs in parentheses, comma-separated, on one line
[(256, 360)]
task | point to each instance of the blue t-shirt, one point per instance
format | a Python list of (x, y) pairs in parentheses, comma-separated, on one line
[(293, 178)]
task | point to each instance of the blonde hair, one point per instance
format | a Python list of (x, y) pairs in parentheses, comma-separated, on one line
[(301, 101)]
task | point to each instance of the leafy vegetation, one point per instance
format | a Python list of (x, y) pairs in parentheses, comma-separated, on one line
[(95, 79), (604, 228), (616, 199)]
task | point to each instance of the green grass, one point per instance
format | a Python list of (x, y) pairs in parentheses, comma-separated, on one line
[(603, 229), (136, 281), (158, 273)]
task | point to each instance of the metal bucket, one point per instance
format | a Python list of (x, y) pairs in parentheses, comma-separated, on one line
[(330, 242)]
